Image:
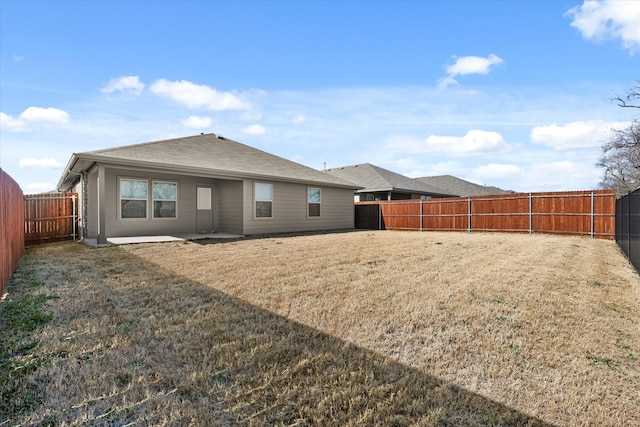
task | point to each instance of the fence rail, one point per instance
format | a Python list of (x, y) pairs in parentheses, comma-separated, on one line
[(11, 228), (628, 227), (50, 217), (589, 213)]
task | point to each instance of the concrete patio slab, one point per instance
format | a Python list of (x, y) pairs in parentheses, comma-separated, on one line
[(160, 239)]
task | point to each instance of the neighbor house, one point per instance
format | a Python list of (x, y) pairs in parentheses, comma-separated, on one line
[(382, 184), (202, 184), (461, 187)]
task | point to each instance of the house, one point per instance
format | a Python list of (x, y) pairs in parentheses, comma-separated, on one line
[(460, 187), (202, 184), (381, 184)]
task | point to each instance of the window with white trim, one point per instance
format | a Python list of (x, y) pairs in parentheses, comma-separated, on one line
[(133, 198), (165, 196), (313, 201), (263, 196)]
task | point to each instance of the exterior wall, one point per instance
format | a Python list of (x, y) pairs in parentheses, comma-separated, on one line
[(290, 209), (185, 221), (233, 207), (230, 206), (92, 207)]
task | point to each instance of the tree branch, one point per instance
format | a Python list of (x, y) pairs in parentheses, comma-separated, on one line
[(626, 102)]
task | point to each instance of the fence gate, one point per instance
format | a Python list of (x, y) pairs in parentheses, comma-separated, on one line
[(50, 217)]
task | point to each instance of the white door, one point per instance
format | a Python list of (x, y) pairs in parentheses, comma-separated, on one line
[(204, 210)]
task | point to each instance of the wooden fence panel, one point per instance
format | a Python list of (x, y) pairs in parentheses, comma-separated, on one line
[(505, 213), (11, 228), (590, 213), (50, 217), (445, 215), (401, 215)]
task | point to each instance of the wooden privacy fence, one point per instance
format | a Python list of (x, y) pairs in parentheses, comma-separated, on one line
[(11, 228), (628, 227), (50, 217), (590, 213)]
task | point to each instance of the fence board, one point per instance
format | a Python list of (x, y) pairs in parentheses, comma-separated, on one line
[(50, 217), (11, 228), (575, 213)]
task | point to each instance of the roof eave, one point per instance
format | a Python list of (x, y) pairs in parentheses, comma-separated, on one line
[(166, 167)]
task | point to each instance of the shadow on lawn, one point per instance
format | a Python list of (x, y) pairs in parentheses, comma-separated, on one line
[(207, 241), (245, 365)]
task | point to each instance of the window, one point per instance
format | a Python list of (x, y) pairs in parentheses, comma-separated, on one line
[(164, 199), (264, 200), (133, 198), (313, 201)]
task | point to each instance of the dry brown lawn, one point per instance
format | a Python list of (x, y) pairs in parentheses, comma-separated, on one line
[(360, 328)]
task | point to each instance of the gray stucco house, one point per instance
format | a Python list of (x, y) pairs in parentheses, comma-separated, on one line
[(202, 184)]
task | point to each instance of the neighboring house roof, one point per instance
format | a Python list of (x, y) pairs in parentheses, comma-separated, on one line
[(460, 187), (204, 154), (376, 179)]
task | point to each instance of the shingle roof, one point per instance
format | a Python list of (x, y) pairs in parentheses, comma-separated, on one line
[(460, 187), (374, 178), (206, 154)]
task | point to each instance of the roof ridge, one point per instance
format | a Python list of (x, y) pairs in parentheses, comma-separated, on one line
[(120, 147)]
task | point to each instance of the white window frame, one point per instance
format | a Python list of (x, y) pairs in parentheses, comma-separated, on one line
[(256, 200), (309, 202), (153, 200), (120, 199)]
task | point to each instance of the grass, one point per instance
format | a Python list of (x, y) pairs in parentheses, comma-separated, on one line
[(364, 328), (19, 354)]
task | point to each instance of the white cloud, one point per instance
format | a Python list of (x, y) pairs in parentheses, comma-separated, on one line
[(581, 134), (254, 129), (45, 163), (563, 175), (9, 123), (38, 187), (497, 171), (607, 19), (49, 115), (33, 114), (474, 142), (127, 84), (299, 119), (17, 58), (196, 122), (468, 65), (198, 96)]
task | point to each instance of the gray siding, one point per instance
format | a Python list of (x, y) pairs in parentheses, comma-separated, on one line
[(118, 227), (233, 207), (229, 203), (92, 208), (290, 209)]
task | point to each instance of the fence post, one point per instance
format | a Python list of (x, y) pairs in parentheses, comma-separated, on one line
[(593, 217), (629, 226), (468, 214), (379, 215), (420, 215), (530, 213)]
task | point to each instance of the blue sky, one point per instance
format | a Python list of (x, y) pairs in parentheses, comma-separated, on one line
[(515, 94)]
